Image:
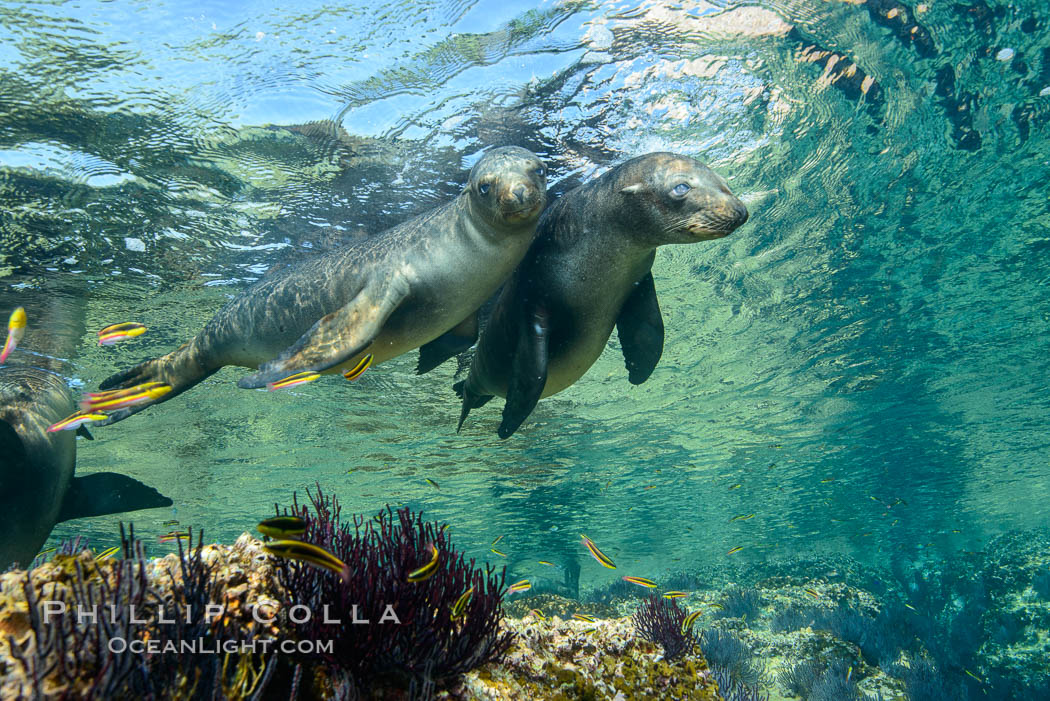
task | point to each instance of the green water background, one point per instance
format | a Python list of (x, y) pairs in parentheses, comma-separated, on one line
[(875, 335)]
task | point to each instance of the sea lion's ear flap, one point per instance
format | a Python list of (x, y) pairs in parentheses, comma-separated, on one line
[(632, 189)]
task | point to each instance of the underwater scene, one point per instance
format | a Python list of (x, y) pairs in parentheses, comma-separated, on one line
[(467, 349)]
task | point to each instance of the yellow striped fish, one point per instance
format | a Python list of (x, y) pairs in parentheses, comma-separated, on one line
[(120, 332), (174, 535), (121, 398), (461, 603), (597, 554), (299, 378), (107, 553), (282, 527), (16, 328), (641, 581), (426, 571), (309, 553), (72, 423), (359, 369)]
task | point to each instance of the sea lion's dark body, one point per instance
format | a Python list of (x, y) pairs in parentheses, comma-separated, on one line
[(587, 272), (383, 295), (37, 486)]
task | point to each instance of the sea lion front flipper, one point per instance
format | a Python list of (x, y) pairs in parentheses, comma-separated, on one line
[(338, 336), (104, 493), (641, 330), (528, 370), (11, 443), (453, 342)]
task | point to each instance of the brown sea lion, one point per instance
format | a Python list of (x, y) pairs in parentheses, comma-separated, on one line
[(383, 295), (589, 271), (37, 486)]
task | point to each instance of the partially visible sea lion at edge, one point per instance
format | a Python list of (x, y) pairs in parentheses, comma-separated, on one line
[(37, 486), (383, 295), (589, 271)]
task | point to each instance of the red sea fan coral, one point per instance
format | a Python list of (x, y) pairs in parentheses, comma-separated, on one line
[(660, 621), (391, 632)]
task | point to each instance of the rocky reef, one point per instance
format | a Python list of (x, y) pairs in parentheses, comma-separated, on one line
[(920, 630), (550, 657)]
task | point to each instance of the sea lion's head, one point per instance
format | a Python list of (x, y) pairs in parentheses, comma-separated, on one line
[(678, 199), (508, 188)]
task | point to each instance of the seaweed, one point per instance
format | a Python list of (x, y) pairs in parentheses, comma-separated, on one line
[(69, 653), (800, 678), (198, 672), (924, 682), (65, 652), (732, 689), (660, 621), (725, 651), (836, 684), (617, 590), (1041, 584), (741, 603), (791, 618), (872, 635), (384, 630), (684, 581)]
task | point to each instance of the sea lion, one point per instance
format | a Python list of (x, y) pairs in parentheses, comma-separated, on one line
[(587, 271), (383, 295), (37, 486)]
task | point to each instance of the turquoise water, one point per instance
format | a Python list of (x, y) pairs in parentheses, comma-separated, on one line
[(875, 335)]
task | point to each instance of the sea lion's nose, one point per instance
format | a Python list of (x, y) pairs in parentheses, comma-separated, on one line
[(520, 193), (738, 213)]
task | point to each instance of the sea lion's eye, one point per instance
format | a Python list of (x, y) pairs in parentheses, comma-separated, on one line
[(540, 172), (483, 188), (680, 189)]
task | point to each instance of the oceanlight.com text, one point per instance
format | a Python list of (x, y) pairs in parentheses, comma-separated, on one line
[(218, 647)]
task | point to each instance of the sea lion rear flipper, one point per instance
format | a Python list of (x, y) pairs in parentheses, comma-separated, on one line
[(108, 493), (641, 331), (181, 369), (11, 445), (453, 342), (470, 401), (338, 336), (528, 370)]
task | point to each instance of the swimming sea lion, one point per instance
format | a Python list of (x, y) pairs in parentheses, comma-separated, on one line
[(37, 486), (383, 295), (589, 270)]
